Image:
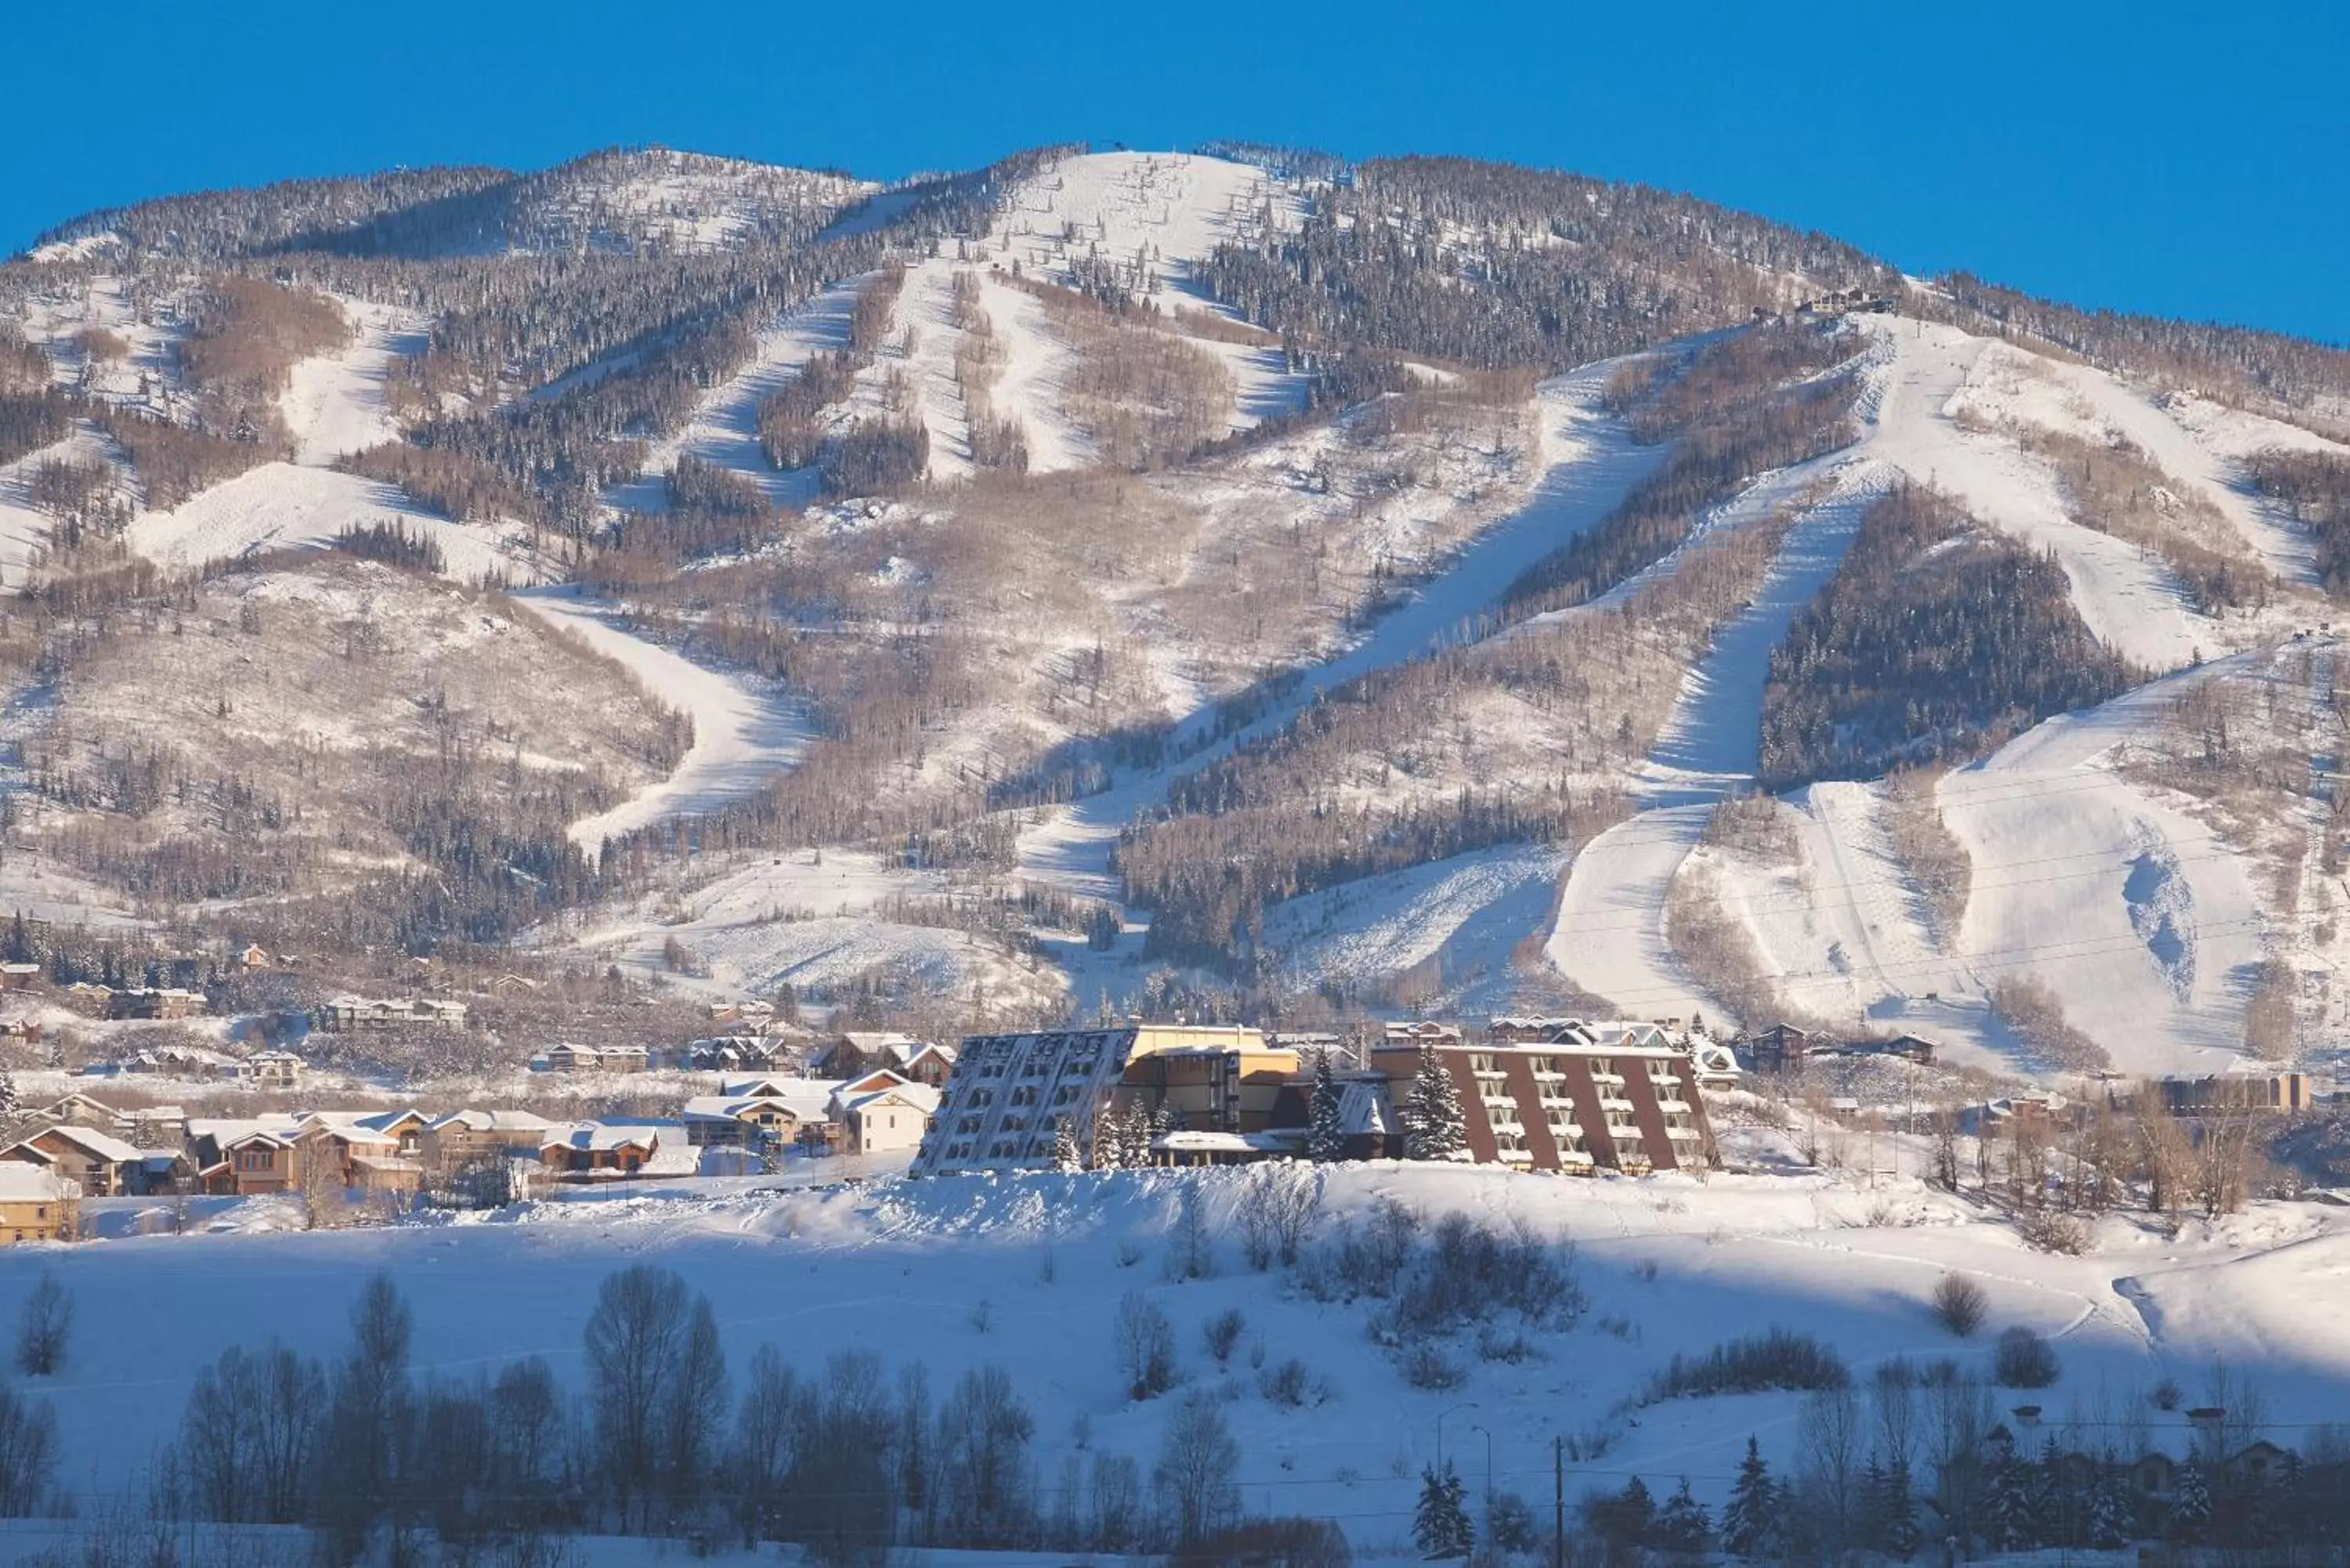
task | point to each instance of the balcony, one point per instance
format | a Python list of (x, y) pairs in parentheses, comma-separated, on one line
[(1682, 1134)]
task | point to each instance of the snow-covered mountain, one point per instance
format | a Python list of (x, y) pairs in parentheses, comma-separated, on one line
[(1161, 577)]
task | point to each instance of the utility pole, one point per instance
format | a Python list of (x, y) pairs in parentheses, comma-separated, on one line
[(1558, 1502)]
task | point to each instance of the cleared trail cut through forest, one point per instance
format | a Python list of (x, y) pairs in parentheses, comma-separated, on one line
[(742, 736), (1591, 463)]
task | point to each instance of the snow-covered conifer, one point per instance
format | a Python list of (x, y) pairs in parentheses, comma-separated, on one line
[(1326, 1139)]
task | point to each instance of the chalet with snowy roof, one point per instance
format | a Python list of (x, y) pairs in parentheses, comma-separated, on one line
[(461, 1138), (1009, 1093), (33, 1203), (16, 976), (892, 1119), (245, 1159), (590, 1152), (1779, 1047), (859, 1051), (253, 958), (273, 1069), (196, 1061), (773, 1113), (378, 1151), (101, 1164)]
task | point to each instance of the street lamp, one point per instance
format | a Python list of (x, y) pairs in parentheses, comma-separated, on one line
[(1480, 1427), (1464, 1405)]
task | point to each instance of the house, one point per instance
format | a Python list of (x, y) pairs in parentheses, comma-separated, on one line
[(98, 1163), (592, 1150), (348, 1013), (379, 1152), (253, 958), (242, 1159), (34, 1204), (569, 1058), (155, 1003), (1779, 1047), (21, 1031), (465, 1137), (273, 1069), (888, 1120), (16, 976), (930, 1067), (741, 1120), (626, 1059), (196, 1061), (83, 1111)]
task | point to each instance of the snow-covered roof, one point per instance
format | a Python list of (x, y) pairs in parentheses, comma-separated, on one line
[(20, 1182), (492, 1121), (734, 1108), (919, 1097), (225, 1131), (601, 1136), (99, 1145)]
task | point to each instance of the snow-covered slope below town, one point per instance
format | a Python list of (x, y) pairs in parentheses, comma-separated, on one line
[(1026, 1274)]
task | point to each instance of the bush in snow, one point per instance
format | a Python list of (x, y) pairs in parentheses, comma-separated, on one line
[(1275, 1209), (1468, 1274), (1779, 1358), (1222, 1333), (1145, 1343), (1290, 1385), (1961, 1302), (1424, 1365), (2024, 1360), (2053, 1233)]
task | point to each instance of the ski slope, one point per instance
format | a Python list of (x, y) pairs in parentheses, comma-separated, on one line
[(334, 404), (283, 506), (742, 735), (724, 429), (2144, 924), (1589, 465)]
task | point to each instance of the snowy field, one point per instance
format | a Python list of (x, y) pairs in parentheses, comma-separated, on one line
[(1027, 1273)]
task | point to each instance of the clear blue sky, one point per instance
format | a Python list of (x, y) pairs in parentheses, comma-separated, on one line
[(2183, 160)]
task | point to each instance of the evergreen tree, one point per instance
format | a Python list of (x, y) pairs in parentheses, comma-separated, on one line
[(1439, 1525), (2112, 1521), (1065, 1145), (1749, 1520), (2190, 1511), (1683, 1526), (1326, 1141), (1894, 1513), (2007, 1503), (1435, 1126), (1109, 1139), (10, 1104)]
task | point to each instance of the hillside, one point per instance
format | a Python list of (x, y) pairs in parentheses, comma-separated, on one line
[(1256, 582)]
